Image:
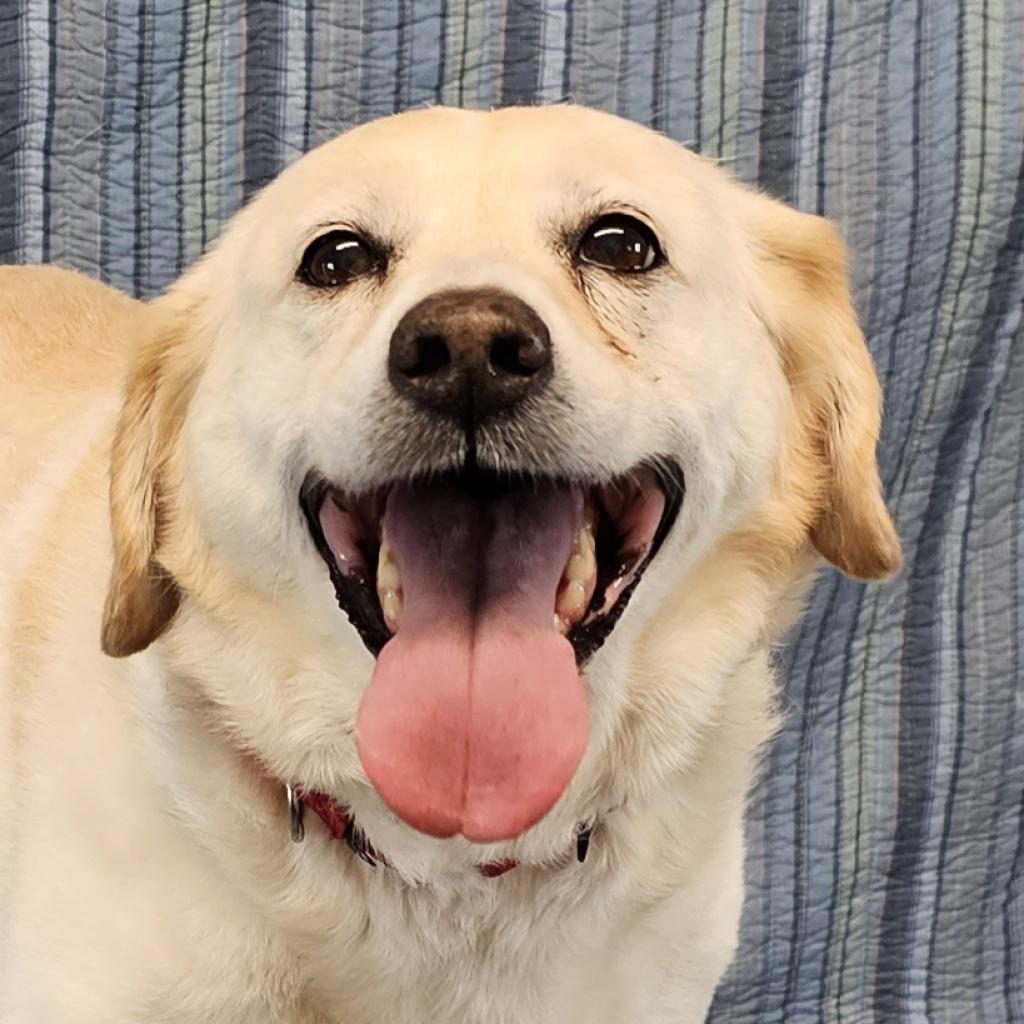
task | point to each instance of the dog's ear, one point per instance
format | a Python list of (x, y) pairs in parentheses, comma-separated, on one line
[(142, 597), (807, 307)]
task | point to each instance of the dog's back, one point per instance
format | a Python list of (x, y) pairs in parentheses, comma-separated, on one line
[(64, 340)]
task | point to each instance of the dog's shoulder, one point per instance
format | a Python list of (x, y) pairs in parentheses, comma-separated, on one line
[(61, 332)]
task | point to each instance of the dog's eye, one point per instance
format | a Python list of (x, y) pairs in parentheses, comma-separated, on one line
[(620, 243), (334, 259)]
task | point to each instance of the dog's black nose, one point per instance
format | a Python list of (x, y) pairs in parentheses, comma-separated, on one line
[(470, 354)]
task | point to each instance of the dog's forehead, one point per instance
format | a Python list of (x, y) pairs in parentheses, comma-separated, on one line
[(505, 165)]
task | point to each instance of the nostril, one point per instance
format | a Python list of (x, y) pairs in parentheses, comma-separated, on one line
[(429, 354), (521, 355)]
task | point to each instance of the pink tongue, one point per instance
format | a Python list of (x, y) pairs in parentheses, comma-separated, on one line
[(475, 718)]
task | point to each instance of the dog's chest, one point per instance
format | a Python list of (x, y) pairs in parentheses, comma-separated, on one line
[(514, 954)]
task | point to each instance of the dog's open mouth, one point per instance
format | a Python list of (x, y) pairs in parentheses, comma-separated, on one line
[(481, 596)]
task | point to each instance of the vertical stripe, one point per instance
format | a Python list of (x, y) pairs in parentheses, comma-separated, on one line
[(75, 212), (781, 92), (749, 85), (915, 737), (398, 96), (567, 47), (662, 37), (308, 53), (442, 53), (637, 47), (861, 790), (463, 53), (1002, 759), (941, 192), (858, 799), (424, 42), (293, 85), (51, 117), (826, 91), (263, 38), (723, 79), (138, 164), (992, 321), (11, 138), (485, 47), (977, 382), (1013, 929), (799, 817), (35, 57), (204, 124), (926, 576), (120, 180), (596, 81), (1011, 893), (522, 56), (913, 233), (158, 264), (109, 70), (552, 52), (179, 190), (681, 48), (698, 114)]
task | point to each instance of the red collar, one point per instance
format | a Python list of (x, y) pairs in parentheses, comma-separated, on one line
[(341, 825)]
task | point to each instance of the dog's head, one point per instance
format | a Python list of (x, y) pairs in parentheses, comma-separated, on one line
[(511, 389)]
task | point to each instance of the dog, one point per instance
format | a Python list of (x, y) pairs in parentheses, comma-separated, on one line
[(388, 609)]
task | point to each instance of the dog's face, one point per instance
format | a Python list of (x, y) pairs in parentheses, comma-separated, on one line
[(462, 410)]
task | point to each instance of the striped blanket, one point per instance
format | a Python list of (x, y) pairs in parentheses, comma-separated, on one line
[(885, 866)]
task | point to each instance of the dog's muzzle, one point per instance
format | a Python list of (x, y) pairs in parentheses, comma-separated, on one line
[(481, 586)]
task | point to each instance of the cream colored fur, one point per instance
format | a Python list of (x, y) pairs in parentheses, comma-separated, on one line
[(146, 873)]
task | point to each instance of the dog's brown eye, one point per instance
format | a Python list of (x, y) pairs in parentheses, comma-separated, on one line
[(620, 243), (334, 259)]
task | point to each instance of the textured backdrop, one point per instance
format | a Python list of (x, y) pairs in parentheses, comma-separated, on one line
[(886, 874)]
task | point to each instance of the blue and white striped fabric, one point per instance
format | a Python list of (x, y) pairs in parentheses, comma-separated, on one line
[(885, 867)]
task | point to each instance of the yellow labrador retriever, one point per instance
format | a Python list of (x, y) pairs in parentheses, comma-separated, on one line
[(386, 611)]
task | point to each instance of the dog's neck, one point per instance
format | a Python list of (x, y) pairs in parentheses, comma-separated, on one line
[(353, 817), (341, 824)]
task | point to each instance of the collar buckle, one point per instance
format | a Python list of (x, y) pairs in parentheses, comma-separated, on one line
[(584, 831), (296, 828)]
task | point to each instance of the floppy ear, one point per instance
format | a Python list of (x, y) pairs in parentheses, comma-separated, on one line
[(142, 596), (835, 390)]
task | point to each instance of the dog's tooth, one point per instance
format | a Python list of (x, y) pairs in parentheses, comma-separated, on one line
[(585, 538), (387, 576), (389, 584), (571, 600), (391, 605), (387, 568), (577, 581), (582, 565), (585, 541)]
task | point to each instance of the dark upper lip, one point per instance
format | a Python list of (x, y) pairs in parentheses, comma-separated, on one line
[(356, 592), (356, 595)]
